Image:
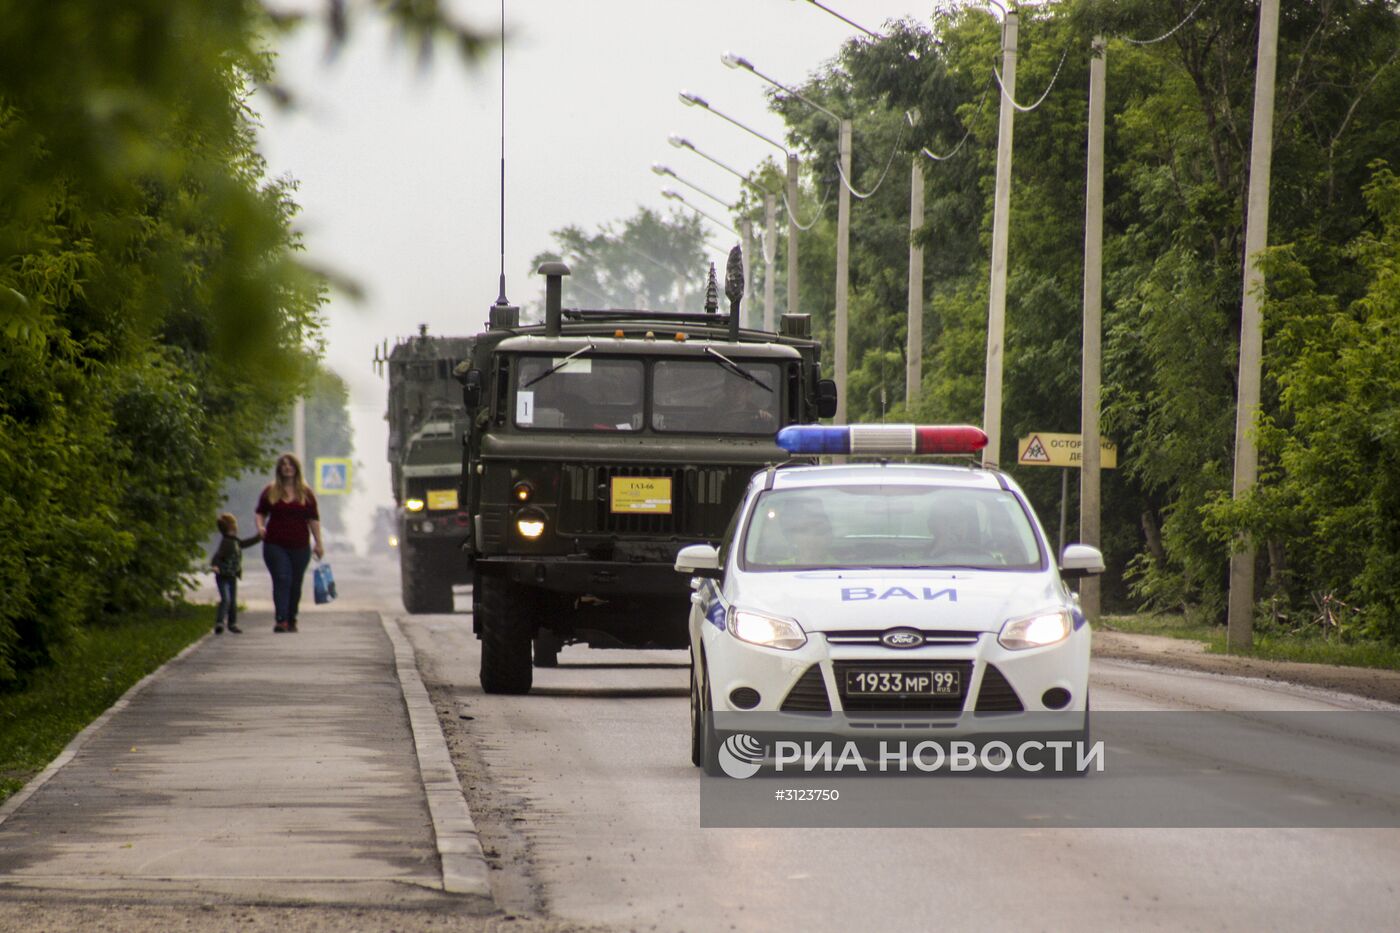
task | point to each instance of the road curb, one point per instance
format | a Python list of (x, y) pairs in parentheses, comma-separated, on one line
[(71, 749), (464, 868)]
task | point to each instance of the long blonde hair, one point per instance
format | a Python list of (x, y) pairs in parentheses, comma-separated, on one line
[(275, 491)]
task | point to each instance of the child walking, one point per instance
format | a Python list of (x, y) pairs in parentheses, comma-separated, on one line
[(228, 570)]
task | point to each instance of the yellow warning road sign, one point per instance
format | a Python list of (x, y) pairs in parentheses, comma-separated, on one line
[(1062, 450)]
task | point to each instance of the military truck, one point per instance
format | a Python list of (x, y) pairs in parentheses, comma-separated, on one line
[(600, 442), (427, 423)]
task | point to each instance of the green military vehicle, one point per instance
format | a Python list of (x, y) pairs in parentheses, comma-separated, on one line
[(426, 427), (600, 442)]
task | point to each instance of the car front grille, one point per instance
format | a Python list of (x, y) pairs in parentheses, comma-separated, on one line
[(931, 637), (996, 694), (902, 702), (808, 695), (702, 500)]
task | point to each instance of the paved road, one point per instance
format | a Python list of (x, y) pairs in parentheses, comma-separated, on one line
[(586, 784)]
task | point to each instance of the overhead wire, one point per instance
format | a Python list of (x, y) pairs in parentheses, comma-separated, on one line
[(888, 162), (1022, 107), (1168, 34), (943, 158)]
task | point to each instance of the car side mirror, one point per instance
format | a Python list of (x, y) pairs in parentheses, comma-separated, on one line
[(699, 560), (471, 388), (826, 398), (1080, 560)]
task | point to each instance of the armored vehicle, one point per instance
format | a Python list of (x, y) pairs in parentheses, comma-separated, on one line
[(600, 442), (426, 427)]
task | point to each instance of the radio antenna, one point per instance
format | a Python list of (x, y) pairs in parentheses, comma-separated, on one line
[(501, 298)]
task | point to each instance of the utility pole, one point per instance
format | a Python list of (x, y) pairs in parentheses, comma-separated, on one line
[(1001, 212), (299, 431), (914, 355), (770, 253), (793, 302), (1240, 625), (1091, 377), (843, 272)]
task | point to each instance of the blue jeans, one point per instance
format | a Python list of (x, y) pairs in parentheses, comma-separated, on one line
[(228, 600), (287, 566)]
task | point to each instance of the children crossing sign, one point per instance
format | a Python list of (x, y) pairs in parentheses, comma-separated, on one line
[(1062, 450), (332, 476)]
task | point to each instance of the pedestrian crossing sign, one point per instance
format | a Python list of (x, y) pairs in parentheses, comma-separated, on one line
[(332, 476)]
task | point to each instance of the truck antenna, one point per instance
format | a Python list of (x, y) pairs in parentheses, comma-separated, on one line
[(501, 298)]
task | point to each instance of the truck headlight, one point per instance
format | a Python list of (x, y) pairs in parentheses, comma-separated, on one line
[(414, 505), (1036, 631), (758, 628), (530, 525)]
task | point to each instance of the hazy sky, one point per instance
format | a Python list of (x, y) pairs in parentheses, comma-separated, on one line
[(399, 166)]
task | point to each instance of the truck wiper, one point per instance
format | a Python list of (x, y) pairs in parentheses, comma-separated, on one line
[(736, 369), (559, 365)]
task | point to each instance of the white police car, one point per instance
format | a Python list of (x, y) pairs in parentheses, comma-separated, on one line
[(888, 596)]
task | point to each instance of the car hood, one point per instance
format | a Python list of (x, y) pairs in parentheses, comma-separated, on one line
[(974, 601)]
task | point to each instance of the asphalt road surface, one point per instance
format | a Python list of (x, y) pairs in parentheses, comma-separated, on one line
[(589, 808)]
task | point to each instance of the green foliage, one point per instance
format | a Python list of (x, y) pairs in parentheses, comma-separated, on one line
[(1177, 154), (647, 260)]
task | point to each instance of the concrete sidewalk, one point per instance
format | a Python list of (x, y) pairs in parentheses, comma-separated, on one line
[(268, 768)]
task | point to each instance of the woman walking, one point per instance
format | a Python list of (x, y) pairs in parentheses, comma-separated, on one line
[(288, 520)]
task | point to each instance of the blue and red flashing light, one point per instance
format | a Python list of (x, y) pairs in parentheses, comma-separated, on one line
[(882, 439)]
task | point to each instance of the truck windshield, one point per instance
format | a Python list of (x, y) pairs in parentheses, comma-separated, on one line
[(589, 393), (707, 397)]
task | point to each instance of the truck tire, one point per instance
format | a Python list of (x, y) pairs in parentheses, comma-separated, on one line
[(506, 627), (422, 592)]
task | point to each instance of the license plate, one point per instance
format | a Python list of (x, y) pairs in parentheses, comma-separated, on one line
[(440, 500), (893, 683)]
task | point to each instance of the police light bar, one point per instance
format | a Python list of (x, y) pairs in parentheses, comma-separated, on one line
[(875, 439)]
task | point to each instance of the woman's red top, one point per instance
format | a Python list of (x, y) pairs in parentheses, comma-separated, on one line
[(287, 522)]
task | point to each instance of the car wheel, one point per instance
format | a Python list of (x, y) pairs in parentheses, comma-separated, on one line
[(505, 624), (705, 739)]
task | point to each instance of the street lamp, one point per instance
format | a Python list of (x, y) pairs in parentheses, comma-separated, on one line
[(770, 243), (843, 224), (914, 328), (675, 195), (745, 227), (695, 100)]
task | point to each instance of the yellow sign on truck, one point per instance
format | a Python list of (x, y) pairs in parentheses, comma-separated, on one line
[(1062, 450)]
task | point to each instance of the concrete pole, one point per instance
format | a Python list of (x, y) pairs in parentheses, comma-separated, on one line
[(843, 272), (794, 304), (299, 433), (1240, 629), (770, 253), (746, 234), (1090, 501), (1001, 215), (914, 355)]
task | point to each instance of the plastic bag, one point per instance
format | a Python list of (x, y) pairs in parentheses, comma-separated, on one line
[(323, 582)]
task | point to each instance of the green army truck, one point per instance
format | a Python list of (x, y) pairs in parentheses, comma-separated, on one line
[(600, 442), (427, 423)]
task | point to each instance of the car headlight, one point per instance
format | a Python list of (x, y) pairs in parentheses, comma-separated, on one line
[(757, 628), (414, 505), (529, 526), (1036, 631)]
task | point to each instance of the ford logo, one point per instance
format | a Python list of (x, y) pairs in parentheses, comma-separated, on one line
[(902, 638)]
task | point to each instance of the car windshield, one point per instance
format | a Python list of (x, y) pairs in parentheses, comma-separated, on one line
[(897, 526), (588, 393), (708, 397)]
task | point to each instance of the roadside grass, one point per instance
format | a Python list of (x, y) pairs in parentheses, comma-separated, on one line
[(41, 716), (1269, 645)]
